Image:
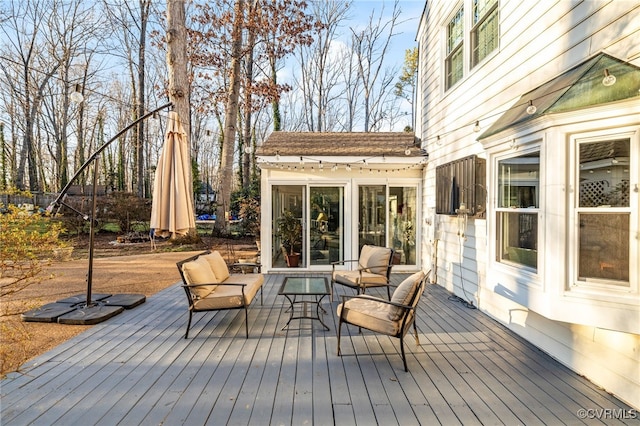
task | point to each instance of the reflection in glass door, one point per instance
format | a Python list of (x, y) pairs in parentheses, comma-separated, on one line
[(387, 217), (326, 230), (372, 215), (402, 222), (287, 202)]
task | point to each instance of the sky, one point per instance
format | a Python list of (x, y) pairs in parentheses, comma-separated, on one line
[(411, 10)]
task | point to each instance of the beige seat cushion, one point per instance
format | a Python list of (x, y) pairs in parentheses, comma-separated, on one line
[(370, 313), (374, 258), (218, 265), (198, 271), (403, 294), (230, 296), (351, 278)]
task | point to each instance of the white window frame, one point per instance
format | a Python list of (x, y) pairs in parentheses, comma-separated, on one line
[(522, 209), (466, 45), (459, 48), (601, 290), (475, 29)]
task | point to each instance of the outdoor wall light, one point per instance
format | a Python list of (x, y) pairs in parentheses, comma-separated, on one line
[(531, 109), (476, 128), (462, 219), (609, 79), (320, 166), (76, 95), (348, 167)]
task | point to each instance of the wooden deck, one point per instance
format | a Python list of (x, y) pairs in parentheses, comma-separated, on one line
[(137, 369)]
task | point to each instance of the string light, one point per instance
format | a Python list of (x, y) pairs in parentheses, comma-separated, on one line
[(76, 95), (531, 109), (609, 79)]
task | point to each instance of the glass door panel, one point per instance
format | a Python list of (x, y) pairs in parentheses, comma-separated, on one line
[(326, 235), (402, 222), (287, 201), (372, 215)]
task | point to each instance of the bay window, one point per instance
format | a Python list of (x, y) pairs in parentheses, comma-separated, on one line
[(517, 210), (603, 212)]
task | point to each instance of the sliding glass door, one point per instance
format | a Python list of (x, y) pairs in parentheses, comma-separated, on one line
[(308, 223), (387, 217), (326, 220)]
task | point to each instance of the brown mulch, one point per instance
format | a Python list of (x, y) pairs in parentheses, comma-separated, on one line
[(118, 268)]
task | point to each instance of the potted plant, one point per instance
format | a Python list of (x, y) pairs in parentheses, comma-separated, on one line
[(289, 230)]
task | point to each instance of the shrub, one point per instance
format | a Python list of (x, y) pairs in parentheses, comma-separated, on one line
[(26, 243), (126, 209), (250, 215)]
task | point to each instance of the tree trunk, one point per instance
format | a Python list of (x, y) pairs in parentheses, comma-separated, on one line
[(144, 15), (177, 63), (248, 140), (230, 119)]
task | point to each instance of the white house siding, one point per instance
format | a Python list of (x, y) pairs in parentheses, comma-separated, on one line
[(538, 41)]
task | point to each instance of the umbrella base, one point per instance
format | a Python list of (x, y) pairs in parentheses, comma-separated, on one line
[(74, 309), (127, 301), (90, 315), (47, 313)]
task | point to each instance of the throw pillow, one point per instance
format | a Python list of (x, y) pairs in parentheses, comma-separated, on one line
[(199, 272), (218, 265), (403, 294)]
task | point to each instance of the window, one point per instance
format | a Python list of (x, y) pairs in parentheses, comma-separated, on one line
[(402, 222), (517, 210), (387, 216), (484, 33), (454, 60), (603, 212)]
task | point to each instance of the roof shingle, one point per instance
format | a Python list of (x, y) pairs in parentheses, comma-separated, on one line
[(339, 144)]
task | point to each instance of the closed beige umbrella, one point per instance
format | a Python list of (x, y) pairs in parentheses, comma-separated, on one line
[(172, 208)]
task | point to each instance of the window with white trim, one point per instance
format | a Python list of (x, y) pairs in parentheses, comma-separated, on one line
[(603, 212), (517, 210), (484, 31), (454, 62)]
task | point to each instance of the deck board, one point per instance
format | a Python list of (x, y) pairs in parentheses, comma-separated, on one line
[(137, 368)]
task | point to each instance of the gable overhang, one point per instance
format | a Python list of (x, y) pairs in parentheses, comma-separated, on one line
[(601, 79)]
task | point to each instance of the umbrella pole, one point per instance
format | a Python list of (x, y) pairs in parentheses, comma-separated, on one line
[(92, 226)]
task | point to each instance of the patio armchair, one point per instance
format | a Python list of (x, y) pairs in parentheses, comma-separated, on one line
[(210, 287), (389, 317), (374, 270)]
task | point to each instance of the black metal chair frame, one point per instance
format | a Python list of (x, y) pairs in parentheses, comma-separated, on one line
[(362, 285), (407, 320), (190, 296)]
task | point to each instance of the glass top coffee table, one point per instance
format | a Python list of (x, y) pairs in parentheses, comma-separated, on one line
[(305, 287)]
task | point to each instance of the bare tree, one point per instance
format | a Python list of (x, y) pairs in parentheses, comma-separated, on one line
[(319, 72), (27, 68), (371, 44)]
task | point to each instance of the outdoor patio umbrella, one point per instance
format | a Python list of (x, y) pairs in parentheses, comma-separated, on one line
[(172, 208)]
